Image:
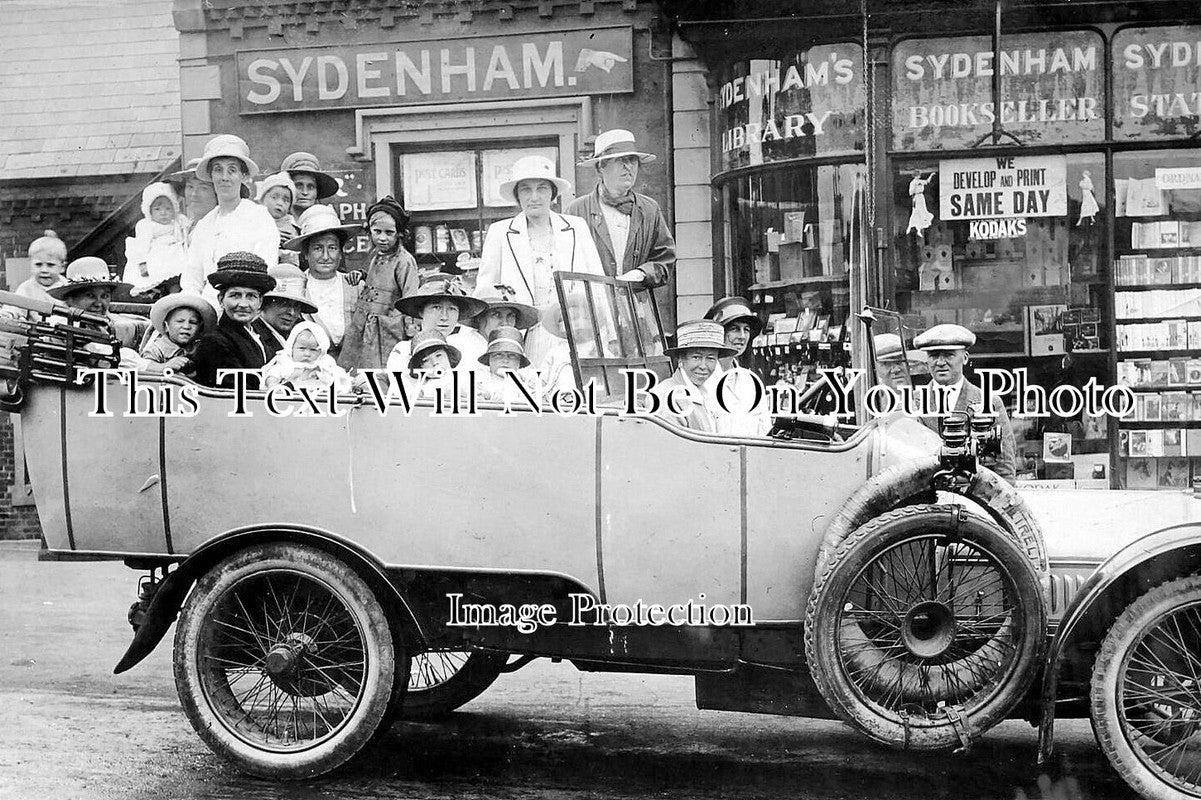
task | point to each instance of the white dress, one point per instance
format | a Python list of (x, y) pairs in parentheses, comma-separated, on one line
[(248, 227)]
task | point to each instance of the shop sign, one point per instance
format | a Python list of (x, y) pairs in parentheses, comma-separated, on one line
[(1157, 83), (1004, 187), (519, 66), (1178, 178), (985, 229), (808, 104), (1052, 90)]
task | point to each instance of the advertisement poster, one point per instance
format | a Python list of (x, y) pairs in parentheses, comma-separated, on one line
[(439, 181), (1007, 187)]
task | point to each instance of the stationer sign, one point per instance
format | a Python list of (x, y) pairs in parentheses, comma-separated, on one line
[(520, 66), (1157, 82), (1002, 188), (1052, 90)]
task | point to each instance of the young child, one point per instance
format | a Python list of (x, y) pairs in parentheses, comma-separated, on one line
[(178, 321), (505, 354), (277, 193), (304, 360), (155, 253), (436, 357), (47, 260)]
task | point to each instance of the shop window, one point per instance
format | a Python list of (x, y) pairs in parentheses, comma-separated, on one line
[(794, 235), (1013, 248), (1157, 308), (453, 196)]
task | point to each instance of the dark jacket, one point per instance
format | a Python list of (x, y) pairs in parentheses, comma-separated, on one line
[(1005, 464), (230, 346), (650, 246), (270, 337)]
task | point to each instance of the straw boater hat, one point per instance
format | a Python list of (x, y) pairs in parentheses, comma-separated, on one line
[(241, 269), (505, 340), (317, 220), (163, 307), (225, 145), (616, 143), (307, 164), (531, 168), (701, 333), (729, 310), (945, 337), (85, 273), (499, 297), (289, 285), (279, 179), (888, 348), (426, 341), (440, 286)]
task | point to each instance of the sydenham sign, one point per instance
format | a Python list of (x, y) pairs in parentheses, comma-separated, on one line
[(521, 66), (1001, 192)]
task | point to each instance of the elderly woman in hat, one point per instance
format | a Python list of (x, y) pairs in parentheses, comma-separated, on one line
[(630, 232), (442, 305), (946, 347), (322, 237), (311, 183), (283, 307), (526, 250), (237, 224), (376, 326), (689, 397), (748, 415), (89, 287), (240, 280)]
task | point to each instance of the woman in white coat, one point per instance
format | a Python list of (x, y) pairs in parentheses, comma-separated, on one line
[(524, 252)]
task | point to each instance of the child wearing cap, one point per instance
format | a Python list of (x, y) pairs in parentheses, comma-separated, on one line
[(436, 358), (505, 355), (155, 252), (304, 361), (178, 321)]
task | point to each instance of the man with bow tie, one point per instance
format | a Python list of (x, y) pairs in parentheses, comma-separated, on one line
[(630, 232)]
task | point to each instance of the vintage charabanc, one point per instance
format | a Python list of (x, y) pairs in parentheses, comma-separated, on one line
[(334, 567)]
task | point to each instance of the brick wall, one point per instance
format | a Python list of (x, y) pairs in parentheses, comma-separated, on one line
[(21, 521)]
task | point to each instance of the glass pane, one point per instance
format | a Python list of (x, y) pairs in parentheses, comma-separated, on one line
[(648, 323), (497, 167), (580, 320), (604, 309), (627, 322)]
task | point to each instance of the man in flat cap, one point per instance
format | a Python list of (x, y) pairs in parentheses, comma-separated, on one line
[(630, 232), (946, 349), (896, 366)]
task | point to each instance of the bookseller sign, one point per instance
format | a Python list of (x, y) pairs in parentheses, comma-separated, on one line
[(597, 61), (1002, 187)]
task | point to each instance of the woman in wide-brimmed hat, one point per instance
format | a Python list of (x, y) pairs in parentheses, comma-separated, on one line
[(312, 184), (90, 286), (442, 305), (376, 325), (237, 224), (240, 280), (700, 344), (741, 387), (526, 250), (320, 244), (198, 197), (502, 311)]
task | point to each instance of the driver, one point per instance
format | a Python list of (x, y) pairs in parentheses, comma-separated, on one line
[(700, 344), (946, 348), (896, 366)]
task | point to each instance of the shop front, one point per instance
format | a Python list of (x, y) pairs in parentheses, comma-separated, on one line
[(427, 105), (1040, 190)]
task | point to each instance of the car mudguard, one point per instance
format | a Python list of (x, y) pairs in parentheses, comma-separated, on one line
[(1118, 581), (169, 597)]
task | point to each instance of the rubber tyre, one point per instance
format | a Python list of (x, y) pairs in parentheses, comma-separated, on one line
[(1106, 713), (982, 705), (373, 636), (472, 679)]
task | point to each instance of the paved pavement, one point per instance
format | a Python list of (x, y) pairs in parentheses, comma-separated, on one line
[(69, 728)]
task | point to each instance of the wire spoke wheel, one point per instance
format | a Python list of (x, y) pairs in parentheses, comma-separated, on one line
[(926, 627), (1146, 692), (434, 668), (442, 680), (284, 661)]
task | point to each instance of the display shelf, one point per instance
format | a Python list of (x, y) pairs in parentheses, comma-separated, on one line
[(1184, 351), (1158, 252), (1069, 293), (784, 284), (1148, 424), (1166, 387), (1147, 287), (1168, 318)]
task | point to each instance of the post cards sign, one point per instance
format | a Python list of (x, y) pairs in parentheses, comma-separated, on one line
[(1002, 187)]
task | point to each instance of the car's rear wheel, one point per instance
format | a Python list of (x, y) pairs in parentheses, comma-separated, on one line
[(441, 681), (284, 661), (1146, 692), (926, 627)]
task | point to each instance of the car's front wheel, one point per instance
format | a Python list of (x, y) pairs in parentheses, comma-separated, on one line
[(284, 661), (1146, 692)]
